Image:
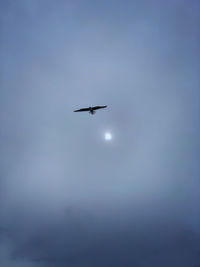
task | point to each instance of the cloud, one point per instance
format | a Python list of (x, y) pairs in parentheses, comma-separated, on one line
[(80, 238), (66, 197)]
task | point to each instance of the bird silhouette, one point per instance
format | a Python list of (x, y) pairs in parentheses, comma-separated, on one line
[(90, 109)]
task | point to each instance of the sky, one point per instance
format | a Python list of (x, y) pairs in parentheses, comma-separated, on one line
[(68, 197)]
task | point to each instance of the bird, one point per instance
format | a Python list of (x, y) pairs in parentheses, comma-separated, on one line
[(90, 109)]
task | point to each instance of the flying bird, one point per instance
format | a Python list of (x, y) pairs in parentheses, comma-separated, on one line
[(90, 109)]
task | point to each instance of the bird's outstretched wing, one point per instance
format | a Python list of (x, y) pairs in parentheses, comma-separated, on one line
[(82, 109), (98, 107)]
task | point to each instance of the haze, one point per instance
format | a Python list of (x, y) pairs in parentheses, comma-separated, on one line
[(67, 196)]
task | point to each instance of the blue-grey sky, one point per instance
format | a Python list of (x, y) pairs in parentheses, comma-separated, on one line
[(67, 196)]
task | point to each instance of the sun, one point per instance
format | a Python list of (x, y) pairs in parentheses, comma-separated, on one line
[(108, 136)]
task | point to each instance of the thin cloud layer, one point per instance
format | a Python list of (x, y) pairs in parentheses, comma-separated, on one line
[(67, 197)]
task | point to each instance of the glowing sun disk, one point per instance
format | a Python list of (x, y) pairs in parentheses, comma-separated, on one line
[(108, 136)]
